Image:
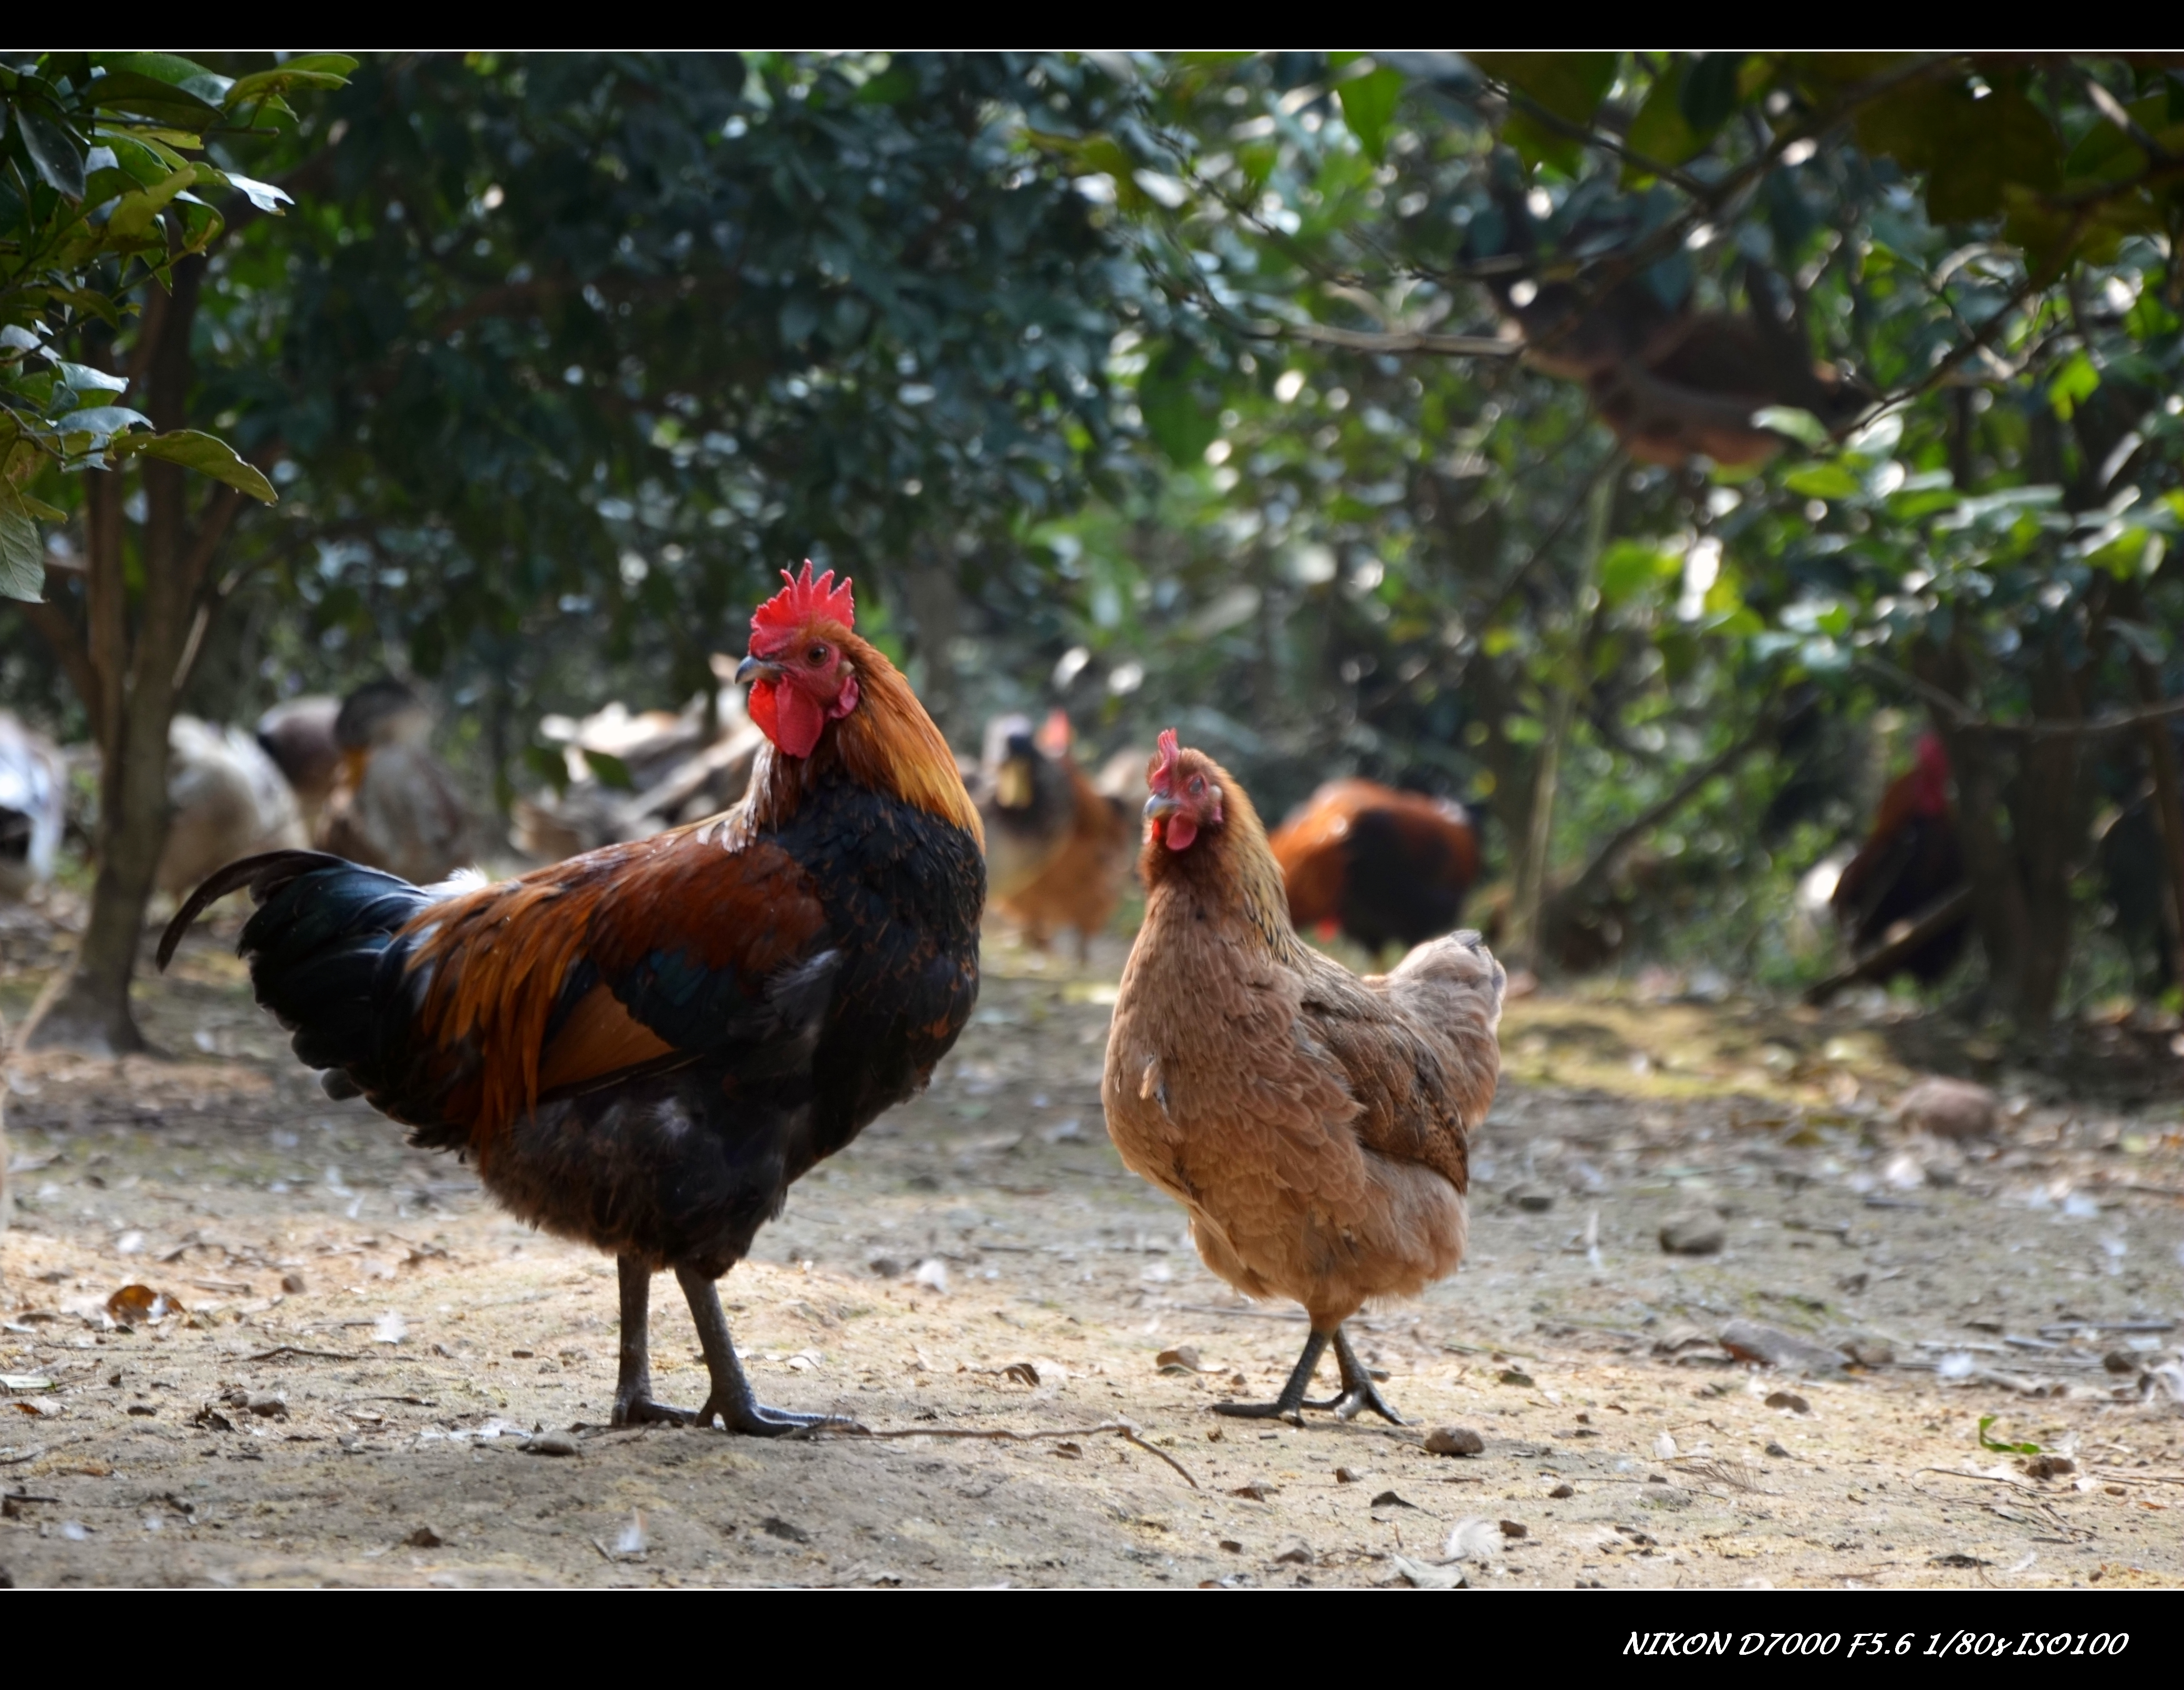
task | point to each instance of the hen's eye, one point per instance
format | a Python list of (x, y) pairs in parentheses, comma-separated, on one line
[(1197, 786), (815, 656)]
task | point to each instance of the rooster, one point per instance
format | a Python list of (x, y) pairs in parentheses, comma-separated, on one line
[(1315, 1125), (1080, 886), (641, 1047), (1383, 865), (1909, 862)]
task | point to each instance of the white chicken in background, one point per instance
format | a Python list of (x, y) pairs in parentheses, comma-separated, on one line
[(395, 806), (33, 807), (226, 799), (299, 735)]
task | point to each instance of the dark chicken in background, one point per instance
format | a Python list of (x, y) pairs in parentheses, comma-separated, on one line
[(1910, 863), (643, 1047), (1080, 887), (1385, 867), (394, 805), (1026, 803)]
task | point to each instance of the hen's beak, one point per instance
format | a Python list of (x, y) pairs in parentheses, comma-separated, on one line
[(756, 668), (1159, 806)]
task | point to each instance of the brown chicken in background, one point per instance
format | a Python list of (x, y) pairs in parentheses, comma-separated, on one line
[(299, 735), (394, 805), (1025, 801), (1383, 865), (1080, 887), (1316, 1126)]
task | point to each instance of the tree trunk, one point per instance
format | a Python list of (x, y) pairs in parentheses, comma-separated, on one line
[(936, 616), (1531, 887), (136, 673)]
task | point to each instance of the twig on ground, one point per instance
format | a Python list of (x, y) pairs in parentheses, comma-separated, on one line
[(280, 1350), (1122, 1429)]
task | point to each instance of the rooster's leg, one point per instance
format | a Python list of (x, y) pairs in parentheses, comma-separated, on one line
[(1359, 1392), (1286, 1406), (634, 1404), (731, 1398)]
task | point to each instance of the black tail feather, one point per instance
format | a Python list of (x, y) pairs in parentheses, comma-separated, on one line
[(263, 875)]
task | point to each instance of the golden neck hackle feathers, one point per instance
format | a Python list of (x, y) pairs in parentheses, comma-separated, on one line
[(1228, 865), (887, 743)]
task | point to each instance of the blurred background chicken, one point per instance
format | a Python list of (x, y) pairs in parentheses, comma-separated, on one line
[(1910, 863), (226, 799), (1382, 867), (299, 735), (1027, 803), (394, 805), (33, 807), (1315, 1126), (1079, 888), (634, 774)]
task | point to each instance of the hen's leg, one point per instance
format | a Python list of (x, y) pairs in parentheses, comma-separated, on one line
[(1359, 1392), (732, 1399), (1285, 1407), (634, 1404)]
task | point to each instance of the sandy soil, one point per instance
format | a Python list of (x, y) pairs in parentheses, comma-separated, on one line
[(365, 1366)]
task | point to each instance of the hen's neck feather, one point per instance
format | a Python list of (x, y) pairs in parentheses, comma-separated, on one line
[(1231, 867), (887, 744)]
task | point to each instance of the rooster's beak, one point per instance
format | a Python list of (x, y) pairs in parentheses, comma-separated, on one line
[(1159, 806), (756, 668)]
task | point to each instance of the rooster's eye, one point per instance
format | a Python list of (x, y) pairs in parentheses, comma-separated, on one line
[(815, 656)]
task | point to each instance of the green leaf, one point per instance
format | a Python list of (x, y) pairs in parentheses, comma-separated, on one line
[(306, 70), (22, 552), (1800, 426), (101, 422), (163, 103), (1708, 93), (206, 453), (891, 87), (2075, 383), (263, 195), (1367, 103), (1823, 481), (1628, 567), (1986, 1443), (86, 380), (54, 154), (612, 772), (1570, 85), (134, 213), (1537, 144), (1660, 131), (550, 763), (1177, 416)]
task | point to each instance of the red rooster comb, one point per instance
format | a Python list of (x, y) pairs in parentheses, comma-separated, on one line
[(1162, 776), (801, 600)]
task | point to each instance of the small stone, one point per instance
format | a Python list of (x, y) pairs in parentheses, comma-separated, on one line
[(424, 1537), (1389, 1499), (1789, 1400), (1454, 1441), (1515, 1528), (1776, 1450), (1562, 1492), (1293, 1551), (1516, 1376), (2119, 1361), (292, 1284), (885, 1267), (268, 1406), (1345, 1475), (1948, 1109), (1232, 1546), (1532, 1200), (2049, 1466), (552, 1443), (1697, 1234)]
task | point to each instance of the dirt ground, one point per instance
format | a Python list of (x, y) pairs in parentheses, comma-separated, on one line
[(366, 1370)]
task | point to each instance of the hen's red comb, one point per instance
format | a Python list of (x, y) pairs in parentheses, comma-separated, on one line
[(1162, 775), (801, 600)]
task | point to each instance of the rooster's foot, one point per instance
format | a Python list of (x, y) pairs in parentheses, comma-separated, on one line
[(1266, 1411), (754, 1419), (643, 1411)]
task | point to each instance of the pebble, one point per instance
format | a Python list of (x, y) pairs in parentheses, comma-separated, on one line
[(1778, 1453), (1789, 1400), (1948, 1109), (1693, 1236), (1294, 1549), (2119, 1361), (1454, 1441), (1562, 1492), (553, 1443), (270, 1407)]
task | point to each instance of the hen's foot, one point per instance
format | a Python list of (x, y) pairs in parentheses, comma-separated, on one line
[(1359, 1392), (1286, 1406)]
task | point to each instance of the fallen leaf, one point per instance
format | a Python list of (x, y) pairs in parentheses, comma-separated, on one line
[(1182, 1358), (139, 1304), (1389, 1499)]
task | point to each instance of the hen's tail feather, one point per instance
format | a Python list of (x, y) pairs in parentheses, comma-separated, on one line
[(264, 874)]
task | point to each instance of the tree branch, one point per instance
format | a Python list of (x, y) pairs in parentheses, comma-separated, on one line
[(1963, 719)]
